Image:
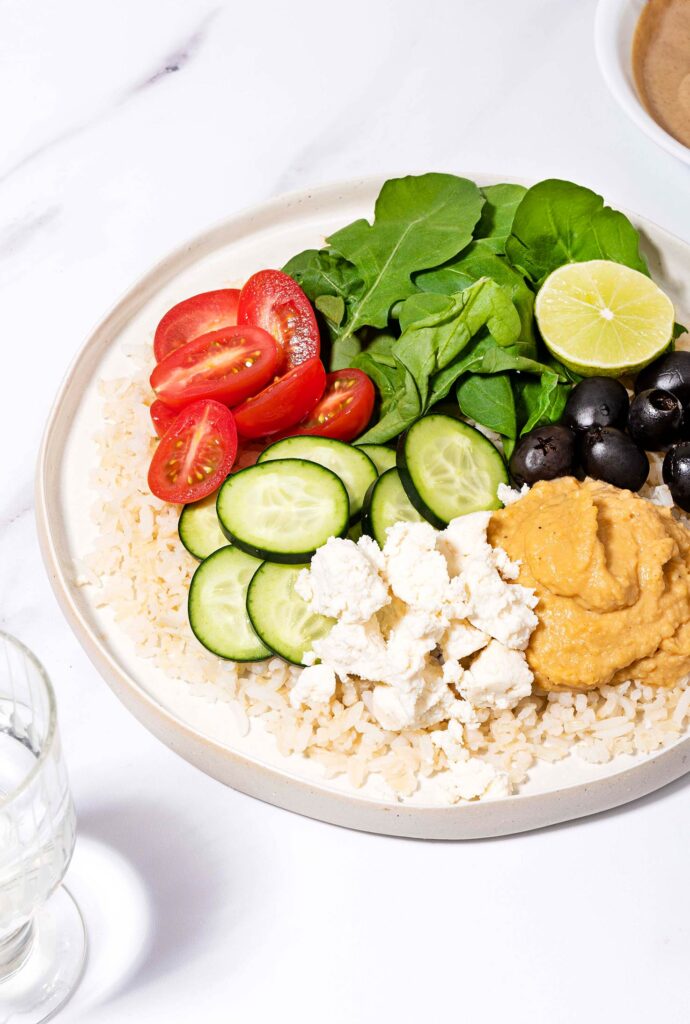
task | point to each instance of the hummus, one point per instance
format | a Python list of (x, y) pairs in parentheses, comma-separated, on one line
[(612, 574)]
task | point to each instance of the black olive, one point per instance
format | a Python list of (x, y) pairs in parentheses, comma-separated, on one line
[(676, 473), (597, 402), (670, 373), (655, 419), (610, 455), (543, 454)]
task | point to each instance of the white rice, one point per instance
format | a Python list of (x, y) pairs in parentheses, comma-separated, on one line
[(140, 570)]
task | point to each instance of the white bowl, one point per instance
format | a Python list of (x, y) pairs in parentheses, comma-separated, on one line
[(614, 28)]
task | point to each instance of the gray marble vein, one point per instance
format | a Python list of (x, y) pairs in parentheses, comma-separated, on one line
[(172, 63), (19, 233)]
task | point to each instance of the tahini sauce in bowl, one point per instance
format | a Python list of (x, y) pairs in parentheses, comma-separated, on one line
[(661, 64)]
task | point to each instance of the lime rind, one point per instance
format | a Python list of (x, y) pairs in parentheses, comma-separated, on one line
[(600, 317)]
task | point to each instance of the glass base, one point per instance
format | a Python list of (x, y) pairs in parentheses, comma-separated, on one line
[(51, 969)]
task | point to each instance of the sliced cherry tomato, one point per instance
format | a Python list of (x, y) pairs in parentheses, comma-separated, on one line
[(345, 408), (162, 416), (272, 300), (228, 365), (284, 402), (195, 454), (193, 317)]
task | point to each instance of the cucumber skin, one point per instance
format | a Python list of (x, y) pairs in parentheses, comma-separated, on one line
[(406, 480), (263, 554), (263, 640), (367, 527), (224, 657)]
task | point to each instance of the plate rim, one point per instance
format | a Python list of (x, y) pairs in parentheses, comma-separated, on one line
[(482, 819)]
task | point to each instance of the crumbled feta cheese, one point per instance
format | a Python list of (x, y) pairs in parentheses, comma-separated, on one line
[(660, 495), (462, 639), (370, 548), (508, 496), (356, 649), (503, 610), (343, 582), (497, 678), (468, 780), (416, 571), (465, 538), (315, 686), (452, 672)]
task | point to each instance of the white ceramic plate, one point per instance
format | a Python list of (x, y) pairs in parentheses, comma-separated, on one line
[(614, 28), (206, 734)]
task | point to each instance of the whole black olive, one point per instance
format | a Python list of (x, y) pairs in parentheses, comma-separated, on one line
[(610, 455), (596, 402), (670, 373), (676, 473), (655, 419), (544, 454)]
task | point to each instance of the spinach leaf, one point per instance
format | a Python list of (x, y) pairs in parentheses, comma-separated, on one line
[(400, 401), (429, 344), (559, 222), (419, 222), (478, 261), (497, 214), (540, 401), (410, 371), (489, 401)]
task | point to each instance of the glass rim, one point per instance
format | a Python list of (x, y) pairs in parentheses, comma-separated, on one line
[(51, 733)]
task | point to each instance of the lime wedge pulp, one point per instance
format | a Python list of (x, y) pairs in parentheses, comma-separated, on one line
[(602, 318)]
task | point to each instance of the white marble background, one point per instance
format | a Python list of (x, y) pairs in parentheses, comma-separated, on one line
[(127, 126)]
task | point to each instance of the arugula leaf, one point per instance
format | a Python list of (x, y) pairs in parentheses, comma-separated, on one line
[(419, 222), (559, 222), (497, 216), (478, 261), (489, 401), (540, 401)]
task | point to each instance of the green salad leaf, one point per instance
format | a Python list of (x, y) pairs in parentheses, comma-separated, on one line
[(496, 221), (419, 222), (419, 368), (540, 401), (489, 401), (479, 261), (559, 222)]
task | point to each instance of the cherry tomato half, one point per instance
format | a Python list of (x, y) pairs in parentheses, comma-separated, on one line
[(195, 454), (272, 300), (228, 365), (201, 314), (345, 408), (284, 402), (162, 416)]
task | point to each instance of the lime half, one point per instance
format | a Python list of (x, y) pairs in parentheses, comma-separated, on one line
[(600, 317)]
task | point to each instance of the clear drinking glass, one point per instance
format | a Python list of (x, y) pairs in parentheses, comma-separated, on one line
[(42, 936)]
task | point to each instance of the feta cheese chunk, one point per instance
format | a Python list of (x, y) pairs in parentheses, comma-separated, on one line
[(469, 780), (343, 582), (315, 686), (462, 640), (416, 571), (508, 495), (498, 678), (356, 649)]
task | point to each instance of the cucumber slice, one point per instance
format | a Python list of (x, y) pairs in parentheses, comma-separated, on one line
[(280, 616), (386, 504), (199, 528), (352, 465), (283, 510), (217, 606), (449, 469), (382, 456)]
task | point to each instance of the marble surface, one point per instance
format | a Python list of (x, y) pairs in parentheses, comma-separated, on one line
[(127, 127)]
